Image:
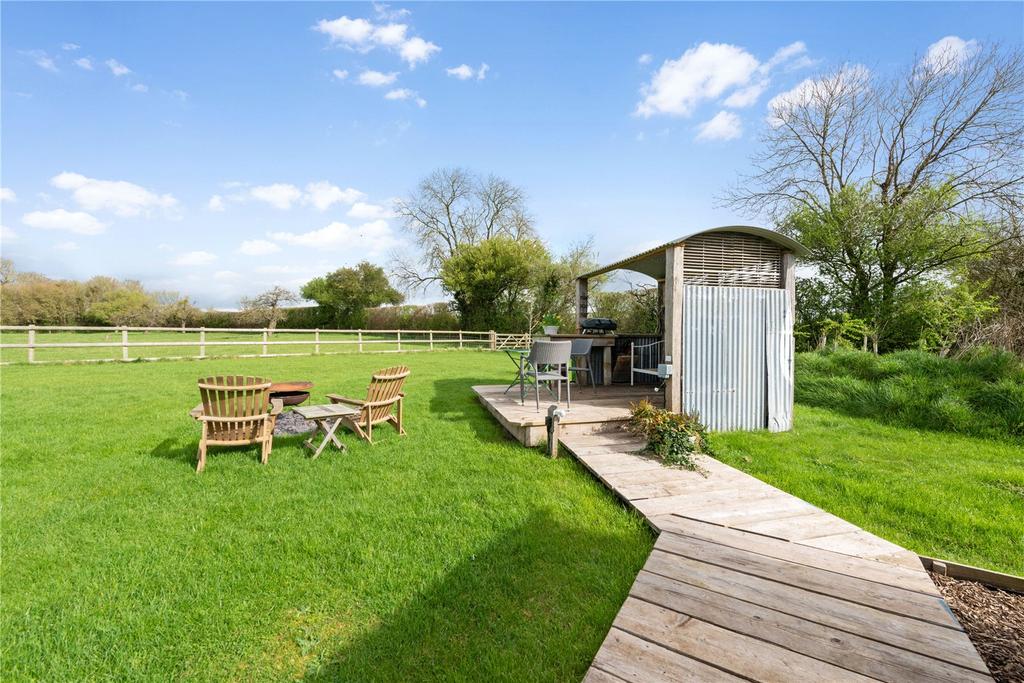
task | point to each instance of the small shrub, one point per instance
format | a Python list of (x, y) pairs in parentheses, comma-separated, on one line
[(673, 437)]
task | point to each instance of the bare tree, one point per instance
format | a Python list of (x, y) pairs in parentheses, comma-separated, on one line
[(268, 308), (452, 207), (888, 180)]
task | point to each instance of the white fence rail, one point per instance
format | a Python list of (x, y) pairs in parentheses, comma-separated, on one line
[(73, 342)]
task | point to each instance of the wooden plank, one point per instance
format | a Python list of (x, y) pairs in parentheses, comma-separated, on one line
[(851, 565), (851, 588), (737, 495), (595, 675), (634, 659), (863, 544), (846, 650), (811, 525), (735, 652), (817, 610)]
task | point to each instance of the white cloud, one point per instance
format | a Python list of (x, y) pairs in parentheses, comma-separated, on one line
[(417, 50), (701, 73), (7, 195), (7, 235), (345, 30), (323, 194), (42, 60), (258, 247), (385, 12), (363, 35), (179, 95), (278, 195), (851, 76), (391, 35), (70, 47), (464, 72), (377, 79), (226, 275), (117, 68), (66, 246), (368, 212), (77, 222), (84, 63), (406, 94), (725, 125), (785, 54), (711, 70), (119, 196), (645, 58), (744, 97), (216, 203), (375, 237), (139, 87), (194, 258), (340, 74), (947, 54)]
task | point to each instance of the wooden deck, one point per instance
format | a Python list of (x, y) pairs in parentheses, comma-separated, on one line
[(593, 409), (747, 582)]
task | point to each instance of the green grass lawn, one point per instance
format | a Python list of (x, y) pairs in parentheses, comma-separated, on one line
[(859, 450), (451, 553)]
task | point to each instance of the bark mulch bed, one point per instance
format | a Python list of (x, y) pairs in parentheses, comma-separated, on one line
[(994, 620)]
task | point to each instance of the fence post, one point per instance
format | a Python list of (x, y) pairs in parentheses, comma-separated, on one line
[(460, 339), (124, 343), (430, 336), (32, 343), (264, 343), (316, 338), (399, 340), (494, 340), (360, 337), (202, 342)]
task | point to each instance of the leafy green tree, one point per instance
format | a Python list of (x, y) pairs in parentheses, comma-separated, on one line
[(894, 180), (125, 306), (344, 295), (267, 309), (954, 316), (494, 283)]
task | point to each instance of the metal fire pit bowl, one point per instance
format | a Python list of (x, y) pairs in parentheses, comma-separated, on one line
[(291, 393)]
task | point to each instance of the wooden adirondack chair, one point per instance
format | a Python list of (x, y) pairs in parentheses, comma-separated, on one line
[(236, 411), (383, 403)]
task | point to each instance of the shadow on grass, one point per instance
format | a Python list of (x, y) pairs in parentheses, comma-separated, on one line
[(187, 451), (454, 400), (535, 604)]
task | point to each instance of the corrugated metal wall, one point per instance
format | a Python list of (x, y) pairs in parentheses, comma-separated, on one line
[(725, 360), (779, 349)]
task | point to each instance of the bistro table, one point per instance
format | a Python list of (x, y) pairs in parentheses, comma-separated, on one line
[(327, 418)]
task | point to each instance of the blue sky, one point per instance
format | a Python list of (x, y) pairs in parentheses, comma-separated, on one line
[(212, 148)]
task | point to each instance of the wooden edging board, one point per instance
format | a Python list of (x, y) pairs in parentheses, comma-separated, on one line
[(965, 571)]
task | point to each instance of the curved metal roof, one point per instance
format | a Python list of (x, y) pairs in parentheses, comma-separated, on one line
[(651, 262)]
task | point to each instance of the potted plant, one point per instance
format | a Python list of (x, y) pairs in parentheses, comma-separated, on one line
[(550, 323)]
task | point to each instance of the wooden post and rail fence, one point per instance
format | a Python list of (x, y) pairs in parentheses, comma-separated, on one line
[(202, 339)]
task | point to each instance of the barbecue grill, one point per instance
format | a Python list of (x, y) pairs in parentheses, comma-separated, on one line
[(598, 326)]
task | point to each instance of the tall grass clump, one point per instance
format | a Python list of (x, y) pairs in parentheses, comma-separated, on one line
[(981, 394)]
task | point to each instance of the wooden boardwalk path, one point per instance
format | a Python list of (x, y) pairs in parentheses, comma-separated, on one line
[(747, 582)]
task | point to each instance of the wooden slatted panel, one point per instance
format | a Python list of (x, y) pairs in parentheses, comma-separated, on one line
[(246, 398), (732, 259)]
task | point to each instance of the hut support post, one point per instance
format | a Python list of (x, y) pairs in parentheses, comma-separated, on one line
[(582, 303), (674, 327)]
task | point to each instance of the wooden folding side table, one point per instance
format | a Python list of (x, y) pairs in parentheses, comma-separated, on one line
[(327, 418)]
